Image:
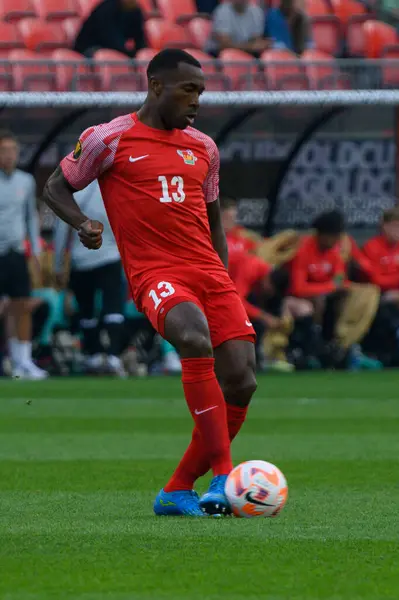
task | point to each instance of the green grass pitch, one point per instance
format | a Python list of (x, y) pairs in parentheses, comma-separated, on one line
[(81, 461)]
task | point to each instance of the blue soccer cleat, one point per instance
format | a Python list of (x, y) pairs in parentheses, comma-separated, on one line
[(214, 501), (178, 504)]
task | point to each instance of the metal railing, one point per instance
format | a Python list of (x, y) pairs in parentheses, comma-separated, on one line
[(89, 75)]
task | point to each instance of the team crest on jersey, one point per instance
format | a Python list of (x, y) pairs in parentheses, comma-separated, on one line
[(78, 150), (187, 156)]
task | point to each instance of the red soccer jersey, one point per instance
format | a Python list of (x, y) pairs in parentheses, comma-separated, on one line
[(313, 271), (246, 271), (155, 185), (237, 241), (384, 258)]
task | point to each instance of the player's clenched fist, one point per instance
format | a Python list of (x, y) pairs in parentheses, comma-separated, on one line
[(90, 234)]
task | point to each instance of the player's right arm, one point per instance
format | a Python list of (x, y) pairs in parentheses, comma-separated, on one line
[(87, 162)]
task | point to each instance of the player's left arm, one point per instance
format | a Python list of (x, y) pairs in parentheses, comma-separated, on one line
[(211, 194), (219, 240)]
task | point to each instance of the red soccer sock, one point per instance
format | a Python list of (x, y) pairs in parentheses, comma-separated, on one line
[(236, 416), (210, 437), (195, 462)]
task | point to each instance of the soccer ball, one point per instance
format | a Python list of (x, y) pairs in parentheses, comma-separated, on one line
[(256, 489)]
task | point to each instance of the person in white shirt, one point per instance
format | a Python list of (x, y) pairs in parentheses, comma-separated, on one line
[(93, 273)]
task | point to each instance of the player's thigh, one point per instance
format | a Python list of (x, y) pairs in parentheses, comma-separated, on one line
[(18, 278), (82, 284), (111, 285), (175, 311), (227, 317)]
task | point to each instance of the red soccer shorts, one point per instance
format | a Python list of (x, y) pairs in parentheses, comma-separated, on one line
[(214, 294)]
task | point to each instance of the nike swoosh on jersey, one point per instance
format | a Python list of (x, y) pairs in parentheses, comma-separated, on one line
[(200, 412), (248, 323), (135, 159)]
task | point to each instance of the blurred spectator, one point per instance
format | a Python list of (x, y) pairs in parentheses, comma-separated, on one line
[(276, 250), (289, 27), (382, 251), (238, 24), (318, 272), (207, 6), (94, 273), (113, 24), (19, 219), (262, 288)]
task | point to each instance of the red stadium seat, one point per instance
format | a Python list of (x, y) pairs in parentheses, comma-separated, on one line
[(200, 30), (283, 70), (214, 81), (41, 36), (241, 68), (73, 72), (356, 38), (116, 72), (378, 36), (30, 72), (85, 7), (9, 39), (15, 10), (390, 67), (144, 56), (71, 28), (346, 10), (322, 71), (56, 10), (208, 62), (178, 11), (326, 33), (148, 8), (161, 33), (317, 8)]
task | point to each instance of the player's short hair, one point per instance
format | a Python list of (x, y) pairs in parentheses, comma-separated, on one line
[(391, 215), (331, 222), (227, 201), (169, 59), (6, 134)]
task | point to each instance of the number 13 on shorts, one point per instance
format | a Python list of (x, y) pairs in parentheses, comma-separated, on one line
[(164, 290)]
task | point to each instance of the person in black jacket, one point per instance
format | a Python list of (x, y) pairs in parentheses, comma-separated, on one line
[(111, 25)]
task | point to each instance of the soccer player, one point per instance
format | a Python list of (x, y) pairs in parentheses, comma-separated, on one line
[(382, 251), (159, 181)]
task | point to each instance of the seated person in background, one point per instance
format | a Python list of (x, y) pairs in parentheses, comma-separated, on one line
[(45, 301), (318, 273), (276, 250), (93, 274), (382, 252), (288, 27), (113, 24), (238, 24), (255, 276), (206, 6)]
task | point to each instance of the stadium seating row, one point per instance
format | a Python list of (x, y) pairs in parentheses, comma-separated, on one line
[(178, 11), (65, 70), (369, 39)]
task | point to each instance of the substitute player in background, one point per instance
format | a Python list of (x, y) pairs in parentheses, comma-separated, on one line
[(159, 181)]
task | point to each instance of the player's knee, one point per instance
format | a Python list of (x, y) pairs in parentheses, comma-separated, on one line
[(195, 344), (240, 385)]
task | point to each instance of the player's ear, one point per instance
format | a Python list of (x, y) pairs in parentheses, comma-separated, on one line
[(155, 85)]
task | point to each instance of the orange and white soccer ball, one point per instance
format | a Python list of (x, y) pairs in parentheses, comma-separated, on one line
[(256, 489)]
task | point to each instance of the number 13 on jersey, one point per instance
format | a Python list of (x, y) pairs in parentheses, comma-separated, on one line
[(176, 185), (165, 290)]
